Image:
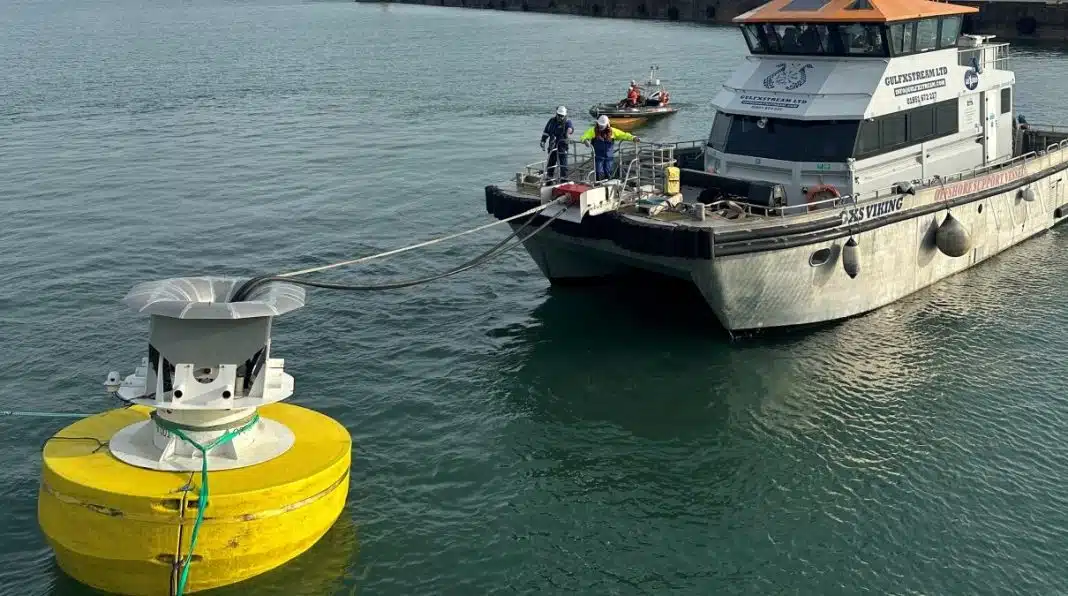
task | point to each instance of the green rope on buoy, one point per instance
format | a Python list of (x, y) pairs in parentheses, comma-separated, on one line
[(202, 499)]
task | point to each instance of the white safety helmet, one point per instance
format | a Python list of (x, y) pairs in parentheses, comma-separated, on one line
[(602, 122), (633, 82), (561, 111)]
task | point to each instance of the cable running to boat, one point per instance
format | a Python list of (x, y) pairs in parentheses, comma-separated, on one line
[(496, 250), (398, 251)]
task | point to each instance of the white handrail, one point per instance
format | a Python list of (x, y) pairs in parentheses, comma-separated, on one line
[(920, 185), (582, 159)]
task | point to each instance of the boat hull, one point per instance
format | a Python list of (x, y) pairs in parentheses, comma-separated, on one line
[(771, 281), (642, 113), (779, 288), (629, 124)]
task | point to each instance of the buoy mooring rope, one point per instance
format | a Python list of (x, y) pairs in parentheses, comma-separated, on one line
[(245, 289), (204, 494)]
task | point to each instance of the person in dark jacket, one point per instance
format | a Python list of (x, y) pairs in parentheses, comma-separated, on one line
[(603, 138), (557, 131)]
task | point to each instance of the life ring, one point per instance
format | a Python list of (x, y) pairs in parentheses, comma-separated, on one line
[(821, 192)]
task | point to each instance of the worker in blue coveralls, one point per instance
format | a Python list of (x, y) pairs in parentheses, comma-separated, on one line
[(557, 131), (603, 138)]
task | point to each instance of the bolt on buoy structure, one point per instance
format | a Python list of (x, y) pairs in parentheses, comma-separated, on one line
[(206, 478)]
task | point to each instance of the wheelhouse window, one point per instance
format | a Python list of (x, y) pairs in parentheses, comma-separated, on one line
[(753, 39), (863, 40), (924, 35), (803, 39), (901, 38), (853, 39), (771, 38), (949, 32), (826, 39), (784, 139)]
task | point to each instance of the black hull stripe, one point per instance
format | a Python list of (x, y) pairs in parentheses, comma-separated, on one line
[(691, 242)]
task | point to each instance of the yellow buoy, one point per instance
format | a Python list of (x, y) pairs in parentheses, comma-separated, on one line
[(206, 479), (322, 569), (120, 528)]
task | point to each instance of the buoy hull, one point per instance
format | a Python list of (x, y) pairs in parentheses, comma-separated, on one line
[(120, 528)]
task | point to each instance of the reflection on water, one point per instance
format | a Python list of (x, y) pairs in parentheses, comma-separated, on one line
[(773, 450), (650, 361)]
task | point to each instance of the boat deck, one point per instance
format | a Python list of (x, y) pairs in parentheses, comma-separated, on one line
[(726, 205)]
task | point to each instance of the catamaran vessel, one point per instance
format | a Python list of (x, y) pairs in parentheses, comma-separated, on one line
[(863, 151)]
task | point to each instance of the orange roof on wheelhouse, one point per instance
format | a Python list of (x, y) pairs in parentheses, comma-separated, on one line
[(849, 11)]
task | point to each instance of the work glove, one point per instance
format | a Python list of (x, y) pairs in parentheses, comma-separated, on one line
[(542, 144)]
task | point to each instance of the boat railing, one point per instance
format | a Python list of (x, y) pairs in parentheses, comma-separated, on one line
[(894, 190), (987, 56), (638, 165), (1019, 160), (1048, 128), (652, 161), (643, 165), (684, 145), (1043, 135), (632, 176)]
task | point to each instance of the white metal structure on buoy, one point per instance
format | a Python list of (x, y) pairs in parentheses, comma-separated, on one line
[(192, 324)]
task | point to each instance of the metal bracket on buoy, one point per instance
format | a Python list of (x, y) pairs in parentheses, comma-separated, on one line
[(207, 372)]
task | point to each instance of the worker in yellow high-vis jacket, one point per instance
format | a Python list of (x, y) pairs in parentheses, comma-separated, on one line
[(603, 138)]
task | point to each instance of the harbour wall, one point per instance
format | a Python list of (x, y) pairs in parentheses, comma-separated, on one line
[(1021, 20), (1039, 21), (718, 12)]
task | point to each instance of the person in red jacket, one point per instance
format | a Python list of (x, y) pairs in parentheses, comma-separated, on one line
[(633, 94)]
